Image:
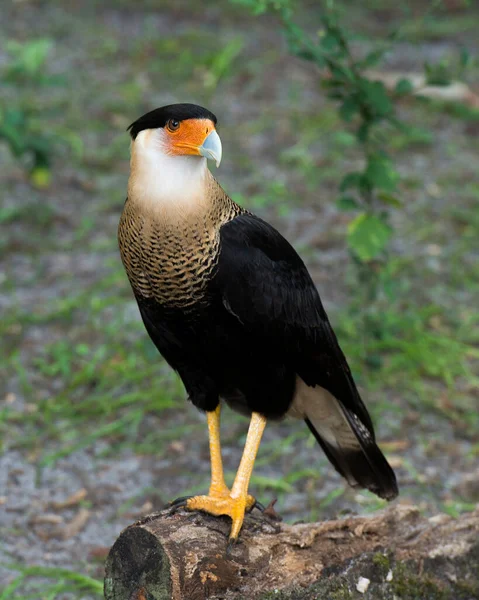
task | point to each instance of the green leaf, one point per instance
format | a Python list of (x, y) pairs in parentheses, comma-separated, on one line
[(306, 55), (222, 62), (438, 74), (256, 7), (349, 108), (8, 213), (376, 97), (332, 83), (344, 138), (465, 59), (28, 58), (346, 203), (372, 58), (41, 177), (351, 180), (328, 41), (380, 172), (363, 131), (335, 95), (403, 87), (368, 236), (389, 199), (339, 71)]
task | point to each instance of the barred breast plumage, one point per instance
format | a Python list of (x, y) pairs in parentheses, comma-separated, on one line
[(171, 256)]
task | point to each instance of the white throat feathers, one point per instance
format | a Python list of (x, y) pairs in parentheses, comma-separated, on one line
[(164, 181)]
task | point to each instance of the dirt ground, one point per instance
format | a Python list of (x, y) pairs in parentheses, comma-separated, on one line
[(95, 430)]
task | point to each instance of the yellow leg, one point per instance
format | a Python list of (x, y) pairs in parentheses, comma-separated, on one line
[(234, 503), (239, 491), (218, 486)]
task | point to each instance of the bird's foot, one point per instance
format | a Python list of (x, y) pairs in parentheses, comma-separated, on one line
[(221, 504), (220, 492)]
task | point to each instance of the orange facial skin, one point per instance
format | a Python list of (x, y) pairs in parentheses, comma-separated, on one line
[(186, 137)]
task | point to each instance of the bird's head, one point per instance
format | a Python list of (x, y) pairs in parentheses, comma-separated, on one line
[(178, 130)]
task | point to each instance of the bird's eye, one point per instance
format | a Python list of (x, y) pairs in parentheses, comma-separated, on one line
[(173, 125)]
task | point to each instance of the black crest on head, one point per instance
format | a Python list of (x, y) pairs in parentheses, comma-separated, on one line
[(159, 117)]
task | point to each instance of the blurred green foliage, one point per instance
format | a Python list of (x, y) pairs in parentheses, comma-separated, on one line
[(361, 102), (31, 146), (366, 107), (447, 69), (28, 62), (21, 124), (60, 581)]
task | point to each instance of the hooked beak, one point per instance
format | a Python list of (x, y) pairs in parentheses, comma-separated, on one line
[(211, 148)]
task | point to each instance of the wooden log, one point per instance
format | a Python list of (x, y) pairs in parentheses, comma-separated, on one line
[(183, 556)]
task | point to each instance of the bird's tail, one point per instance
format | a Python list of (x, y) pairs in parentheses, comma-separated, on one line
[(347, 442)]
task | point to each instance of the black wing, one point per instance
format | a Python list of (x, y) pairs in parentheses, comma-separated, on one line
[(265, 284)]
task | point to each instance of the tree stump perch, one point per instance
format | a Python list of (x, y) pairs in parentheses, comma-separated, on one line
[(397, 554)]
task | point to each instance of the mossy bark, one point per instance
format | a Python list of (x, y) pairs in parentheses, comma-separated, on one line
[(401, 555)]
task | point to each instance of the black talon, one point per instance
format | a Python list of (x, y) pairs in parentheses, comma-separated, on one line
[(178, 503), (259, 506), (231, 544)]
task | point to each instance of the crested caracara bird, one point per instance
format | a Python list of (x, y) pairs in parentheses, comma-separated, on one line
[(232, 308)]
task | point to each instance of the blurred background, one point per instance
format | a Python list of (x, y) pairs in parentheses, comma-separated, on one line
[(353, 130)]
